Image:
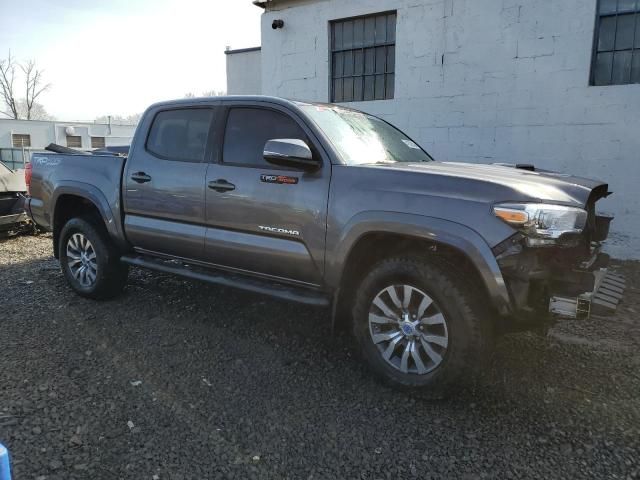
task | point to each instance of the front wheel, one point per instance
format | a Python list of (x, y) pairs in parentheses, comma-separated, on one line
[(89, 261), (415, 325)]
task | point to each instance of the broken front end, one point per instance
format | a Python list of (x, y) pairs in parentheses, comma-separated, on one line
[(554, 266)]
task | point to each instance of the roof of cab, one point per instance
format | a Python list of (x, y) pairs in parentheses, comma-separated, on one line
[(284, 102), (245, 98)]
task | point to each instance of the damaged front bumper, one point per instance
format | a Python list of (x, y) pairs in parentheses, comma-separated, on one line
[(547, 284), (564, 277)]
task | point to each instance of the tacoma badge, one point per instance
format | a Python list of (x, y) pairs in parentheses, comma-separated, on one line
[(284, 231)]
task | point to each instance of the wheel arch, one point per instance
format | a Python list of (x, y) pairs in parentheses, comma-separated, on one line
[(71, 200), (375, 235)]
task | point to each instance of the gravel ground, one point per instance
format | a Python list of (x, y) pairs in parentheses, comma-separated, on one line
[(178, 380)]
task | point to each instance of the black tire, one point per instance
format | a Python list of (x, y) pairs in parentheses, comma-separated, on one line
[(111, 274), (466, 327)]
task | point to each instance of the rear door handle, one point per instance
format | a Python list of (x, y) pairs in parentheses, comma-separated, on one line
[(140, 177), (221, 185)]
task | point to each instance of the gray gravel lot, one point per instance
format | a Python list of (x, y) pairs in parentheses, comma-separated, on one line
[(180, 380)]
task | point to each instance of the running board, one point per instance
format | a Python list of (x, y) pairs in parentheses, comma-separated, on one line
[(233, 280)]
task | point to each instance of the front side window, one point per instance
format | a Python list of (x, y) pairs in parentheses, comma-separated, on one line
[(361, 139), (363, 58), (181, 134), (616, 56), (249, 129)]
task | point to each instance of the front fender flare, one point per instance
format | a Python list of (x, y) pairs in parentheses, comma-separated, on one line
[(438, 230)]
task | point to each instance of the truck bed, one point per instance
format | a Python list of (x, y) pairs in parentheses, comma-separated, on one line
[(57, 174)]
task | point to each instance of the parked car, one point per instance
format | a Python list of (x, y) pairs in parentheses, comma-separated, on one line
[(13, 215), (329, 206)]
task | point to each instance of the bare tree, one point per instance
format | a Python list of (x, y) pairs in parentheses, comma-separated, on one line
[(26, 107), (38, 112), (208, 93), (34, 85), (7, 78), (133, 119), (119, 119), (214, 93)]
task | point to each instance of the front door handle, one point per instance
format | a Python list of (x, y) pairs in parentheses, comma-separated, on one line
[(221, 185), (140, 177)]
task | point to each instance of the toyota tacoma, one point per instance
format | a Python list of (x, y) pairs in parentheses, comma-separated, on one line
[(428, 261)]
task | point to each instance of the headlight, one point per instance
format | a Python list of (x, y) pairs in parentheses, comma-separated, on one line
[(544, 224)]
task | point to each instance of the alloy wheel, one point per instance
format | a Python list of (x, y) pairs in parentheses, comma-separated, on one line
[(409, 329), (81, 259)]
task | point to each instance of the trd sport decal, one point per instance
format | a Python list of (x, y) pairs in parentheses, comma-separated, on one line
[(279, 179)]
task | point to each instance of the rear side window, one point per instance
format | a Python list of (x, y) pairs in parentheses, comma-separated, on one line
[(249, 129), (180, 134)]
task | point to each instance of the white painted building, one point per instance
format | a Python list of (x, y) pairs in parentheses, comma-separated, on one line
[(244, 71), (18, 138), (518, 81)]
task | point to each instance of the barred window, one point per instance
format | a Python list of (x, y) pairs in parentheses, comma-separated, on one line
[(97, 142), (616, 55), (74, 141), (21, 140), (363, 58)]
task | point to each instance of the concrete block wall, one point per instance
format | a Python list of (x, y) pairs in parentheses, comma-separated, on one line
[(484, 81)]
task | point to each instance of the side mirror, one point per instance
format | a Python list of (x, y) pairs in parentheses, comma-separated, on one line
[(290, 152)]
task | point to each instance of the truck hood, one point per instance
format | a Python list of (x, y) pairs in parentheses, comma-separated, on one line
[(539, 185)]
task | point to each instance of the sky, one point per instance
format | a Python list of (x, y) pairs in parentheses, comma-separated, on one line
[(116, 57)]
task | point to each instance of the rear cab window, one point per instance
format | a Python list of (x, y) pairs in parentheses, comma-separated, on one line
[(180, 134)]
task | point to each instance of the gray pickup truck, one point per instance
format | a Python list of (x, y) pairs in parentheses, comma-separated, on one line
[(328, 206)]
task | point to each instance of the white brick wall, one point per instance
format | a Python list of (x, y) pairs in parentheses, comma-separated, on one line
[(513, 87)]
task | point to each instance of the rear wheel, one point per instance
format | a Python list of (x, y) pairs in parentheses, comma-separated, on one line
[(415, 325), (89, 261)]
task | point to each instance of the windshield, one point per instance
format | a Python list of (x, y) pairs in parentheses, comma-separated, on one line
[(360, 138)]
